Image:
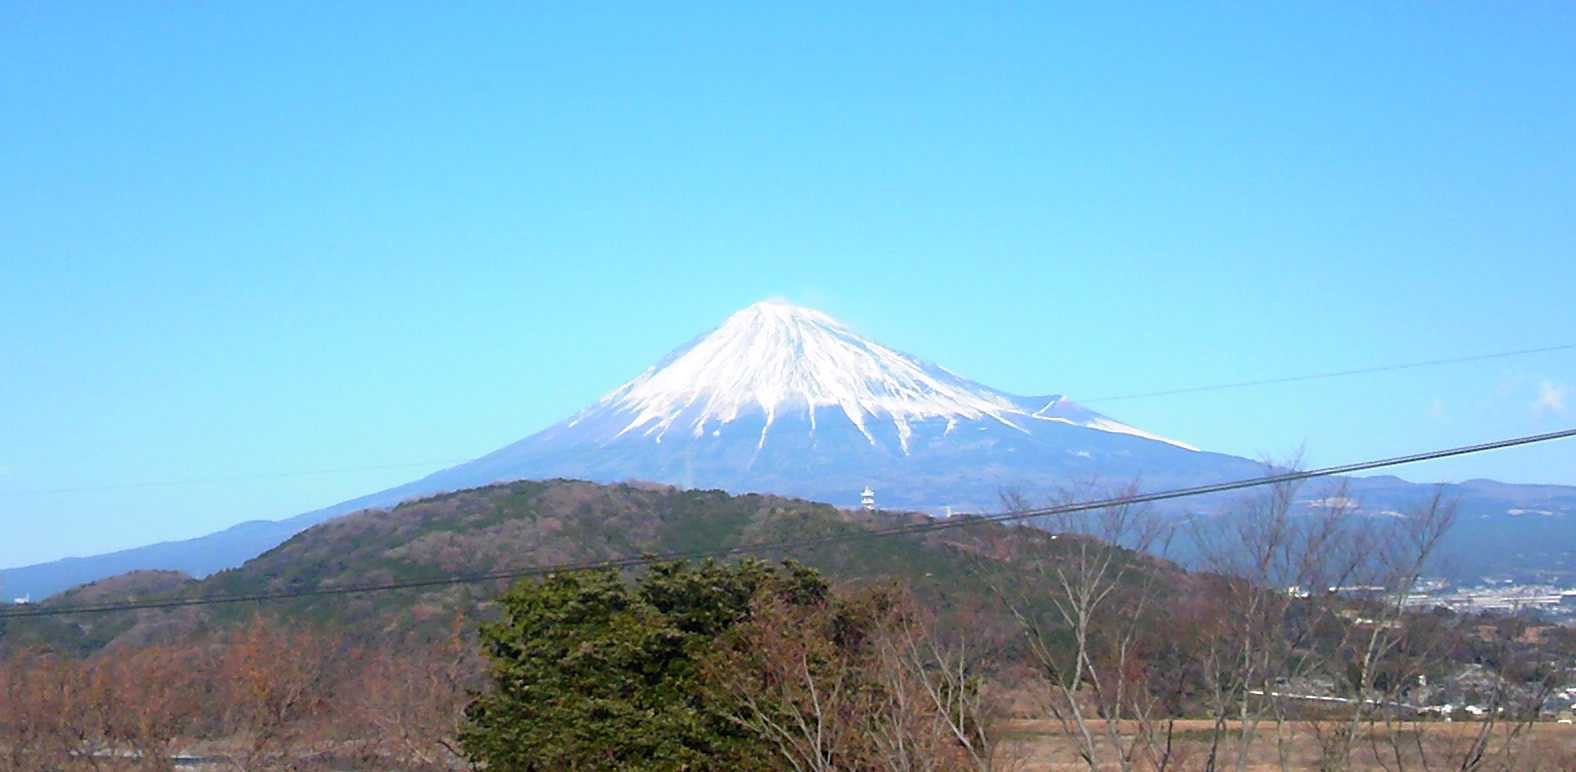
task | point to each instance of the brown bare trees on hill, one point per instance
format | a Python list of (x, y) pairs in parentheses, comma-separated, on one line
[(263, 697)]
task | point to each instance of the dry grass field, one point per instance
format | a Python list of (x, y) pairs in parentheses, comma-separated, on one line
[(1030, 744)]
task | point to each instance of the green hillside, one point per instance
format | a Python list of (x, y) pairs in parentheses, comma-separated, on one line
[(524, 525)]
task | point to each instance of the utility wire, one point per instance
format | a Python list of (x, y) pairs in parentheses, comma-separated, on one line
[(1332, 374), (451, 462), (959, 521), (237, 478)]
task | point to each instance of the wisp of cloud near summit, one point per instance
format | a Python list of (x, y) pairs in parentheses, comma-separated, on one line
[(1551, 398)]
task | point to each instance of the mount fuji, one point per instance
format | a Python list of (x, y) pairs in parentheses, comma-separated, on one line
[(786, 400)]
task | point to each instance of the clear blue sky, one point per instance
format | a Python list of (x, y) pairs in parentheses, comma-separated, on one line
[(271, 238)]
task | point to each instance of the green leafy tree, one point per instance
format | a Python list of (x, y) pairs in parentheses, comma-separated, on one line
[(592, 672)]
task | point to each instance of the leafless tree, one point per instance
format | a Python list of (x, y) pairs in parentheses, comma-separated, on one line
[(412, 699), (158, 695), (1510, 701), (793, 685), (1398, 549), (1101, 590), (276, 689), (23, 732), (935, 712), (857, 683), (1273, 564)]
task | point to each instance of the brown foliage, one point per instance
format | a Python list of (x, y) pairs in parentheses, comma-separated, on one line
[(108, 713), (411, 703), (263, 697), (857, 682)]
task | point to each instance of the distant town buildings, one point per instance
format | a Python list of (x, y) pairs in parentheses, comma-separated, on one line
[(1555, 603)]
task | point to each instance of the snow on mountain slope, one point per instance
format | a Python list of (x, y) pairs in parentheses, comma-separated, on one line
[(774, 359), (1063, 409)]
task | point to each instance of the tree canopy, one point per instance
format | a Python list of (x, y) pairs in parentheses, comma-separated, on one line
[(593, 672)]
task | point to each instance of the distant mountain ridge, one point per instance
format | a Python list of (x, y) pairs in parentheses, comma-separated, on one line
[(786, 400)]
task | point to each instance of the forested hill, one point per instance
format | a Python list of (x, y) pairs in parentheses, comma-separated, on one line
[(526, 524)]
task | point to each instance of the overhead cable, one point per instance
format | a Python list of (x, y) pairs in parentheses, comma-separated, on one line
[(451, 462), (959, 521), (1332, 374)]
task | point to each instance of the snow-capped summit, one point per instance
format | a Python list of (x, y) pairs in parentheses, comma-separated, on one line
[(775, 359)]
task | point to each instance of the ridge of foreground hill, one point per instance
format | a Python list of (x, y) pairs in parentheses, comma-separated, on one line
[(524, 525)]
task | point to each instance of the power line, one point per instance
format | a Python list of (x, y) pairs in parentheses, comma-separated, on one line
[(1170, 393), (790, 545), (236, 478), (451, 462), (1332, 374)]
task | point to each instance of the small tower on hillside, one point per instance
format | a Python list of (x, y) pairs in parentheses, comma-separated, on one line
[(867, 498)]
